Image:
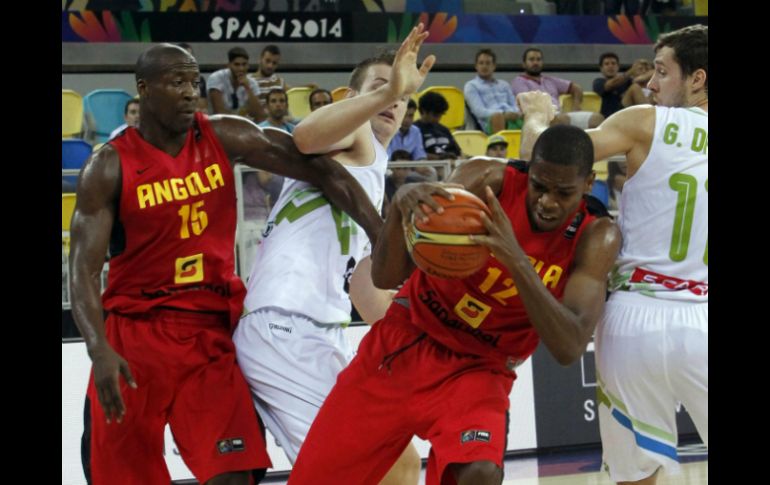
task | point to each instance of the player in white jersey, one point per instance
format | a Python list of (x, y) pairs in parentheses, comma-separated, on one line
[(291, 344), (652, 344)]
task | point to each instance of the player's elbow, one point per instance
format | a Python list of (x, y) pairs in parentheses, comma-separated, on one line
[(303, 138)]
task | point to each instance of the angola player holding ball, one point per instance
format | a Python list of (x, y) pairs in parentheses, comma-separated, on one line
[(441, 363)]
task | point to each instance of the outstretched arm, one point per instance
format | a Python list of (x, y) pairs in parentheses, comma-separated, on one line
[(97, 198), (565, 327), (627, 132), (333, 126), (274, 150)]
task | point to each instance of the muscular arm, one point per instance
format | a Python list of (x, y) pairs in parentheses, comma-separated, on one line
[(370, 301), (628, 132), (92, 221), (274, 150), (564, 327)]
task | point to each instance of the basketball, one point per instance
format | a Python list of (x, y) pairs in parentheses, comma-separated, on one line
[(441, 247)]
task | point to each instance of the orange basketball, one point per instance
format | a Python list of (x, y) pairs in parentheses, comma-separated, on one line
[(441, 247)]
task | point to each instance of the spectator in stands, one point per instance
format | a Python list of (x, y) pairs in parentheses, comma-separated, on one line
[(497, 147), (491, 100), (232, 91), (203, 102), (534, 80), (277, 108), (637, 93), (265, 75), (130, 117), (400, 176), (319, 97), (437, 140), (408, 138)]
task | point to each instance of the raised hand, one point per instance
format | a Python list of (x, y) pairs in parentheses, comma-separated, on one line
[(405, 77), (536, 103)]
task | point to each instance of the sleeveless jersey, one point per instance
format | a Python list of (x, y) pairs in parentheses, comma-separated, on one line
[(310, 249), (172, 244), (664, 212), (483, 313)]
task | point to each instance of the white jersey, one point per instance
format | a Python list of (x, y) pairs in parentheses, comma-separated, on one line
[(310, 249), (664, 212)]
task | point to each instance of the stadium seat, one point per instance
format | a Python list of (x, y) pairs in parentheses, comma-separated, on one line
[(104, 111), (472, 142), (601, 192), (71, 113), (67, 208), (455, 117), (591, 102), (513, 137), (339, 93), (73, 153), (299, 101)]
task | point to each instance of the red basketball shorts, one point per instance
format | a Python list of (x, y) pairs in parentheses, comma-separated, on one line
[(403, 383), (185, 369)]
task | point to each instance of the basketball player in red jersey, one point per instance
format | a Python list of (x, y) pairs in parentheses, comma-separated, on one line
[(162, 196), (441, 362)]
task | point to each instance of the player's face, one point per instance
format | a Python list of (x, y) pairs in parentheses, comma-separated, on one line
[(386, 122), (667, 84), (268, 63), (554, 192), (171, 97)]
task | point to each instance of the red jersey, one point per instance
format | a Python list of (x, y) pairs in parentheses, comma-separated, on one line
[(483, 313), (174, 237)]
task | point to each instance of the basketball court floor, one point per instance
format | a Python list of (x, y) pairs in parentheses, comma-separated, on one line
[(581, 467)]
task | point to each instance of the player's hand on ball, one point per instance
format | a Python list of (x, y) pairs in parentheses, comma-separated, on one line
[(416, 199)]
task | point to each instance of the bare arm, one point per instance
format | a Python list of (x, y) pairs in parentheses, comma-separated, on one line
[(253, 106), (370, 301), (274, 150), (218, 105), (627, 132), (577, 96), (565, 327), (92, 221), (336, 126)]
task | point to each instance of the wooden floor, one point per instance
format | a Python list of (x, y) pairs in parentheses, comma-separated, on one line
[(583, 467)]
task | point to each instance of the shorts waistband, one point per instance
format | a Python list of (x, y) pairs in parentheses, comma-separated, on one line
[(177, 315)]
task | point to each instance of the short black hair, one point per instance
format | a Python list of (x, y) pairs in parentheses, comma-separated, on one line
[(411, 104), (691, 49), (237, 52), (434, 103), (565, 145), (277, 90), (129, 103), (606, 55), (271, 48), (531, 49), (359, 72), (487, 52), (400, 155), (316, 91)]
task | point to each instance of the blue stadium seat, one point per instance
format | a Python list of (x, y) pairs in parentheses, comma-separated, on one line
[(601, 191), (73, 153), (104, 111)]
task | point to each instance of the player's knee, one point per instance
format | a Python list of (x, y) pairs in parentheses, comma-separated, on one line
[(479, 473)]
